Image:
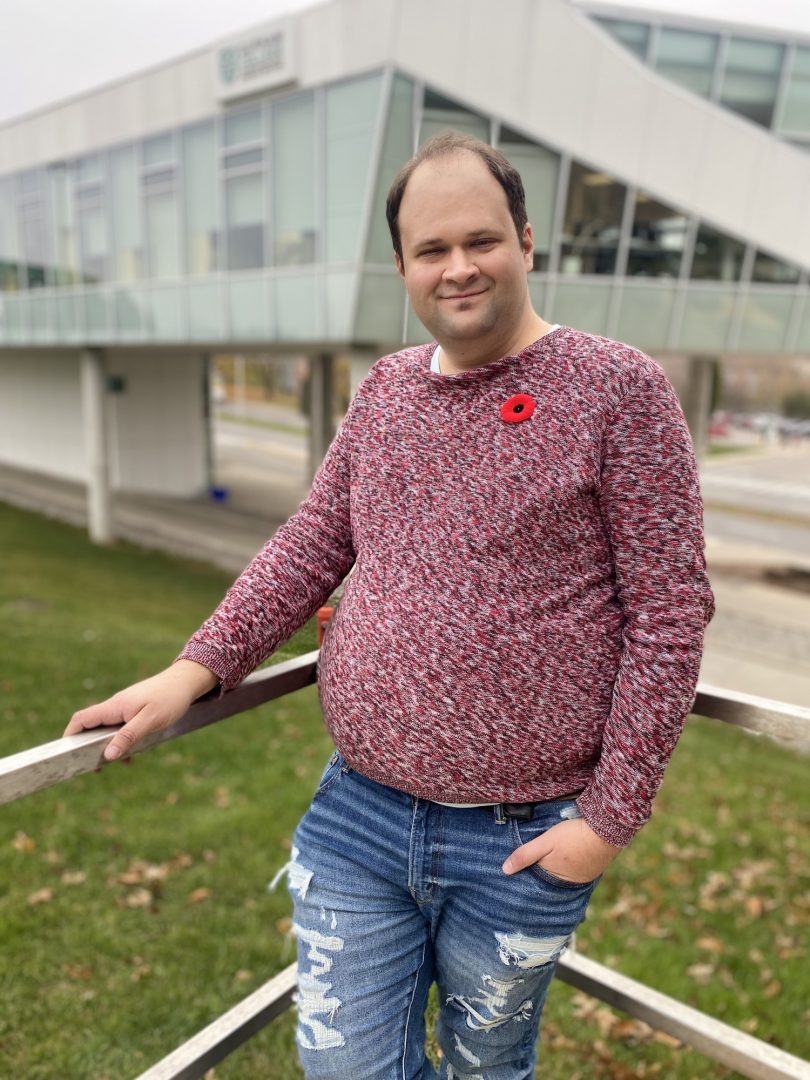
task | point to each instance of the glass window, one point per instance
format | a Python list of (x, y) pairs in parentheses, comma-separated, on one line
[(770, 270), (657, 239), (795, 117), (688, 58), (10, 277), (128, 247), (717, 257), (397, 148), (244, 210), (158, 150), (200, 198), (33, 228), (161, 234), (539, 169), (352, 115), (593, 218), (65, 238), (294, 188), (243, 126), (94, 241), (635, 36), (442, 114), (751, 78)]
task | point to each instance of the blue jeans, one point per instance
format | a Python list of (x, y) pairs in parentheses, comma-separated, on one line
[(392, 893)]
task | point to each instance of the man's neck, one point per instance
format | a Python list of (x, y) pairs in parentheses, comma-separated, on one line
[(457, 357)]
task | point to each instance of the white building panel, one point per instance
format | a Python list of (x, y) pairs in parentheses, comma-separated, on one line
[(40, 414)]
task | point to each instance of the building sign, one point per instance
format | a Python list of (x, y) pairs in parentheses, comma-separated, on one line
[(257, 61)]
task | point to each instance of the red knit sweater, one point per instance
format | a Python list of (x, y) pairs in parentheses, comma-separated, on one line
[(526, 613)]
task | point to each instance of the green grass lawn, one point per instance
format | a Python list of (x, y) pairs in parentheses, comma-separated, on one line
[(133, 902)]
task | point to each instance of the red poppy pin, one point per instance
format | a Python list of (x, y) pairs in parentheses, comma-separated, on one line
[(517, 408)]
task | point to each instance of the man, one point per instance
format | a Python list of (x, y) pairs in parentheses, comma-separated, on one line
[(512, 660)]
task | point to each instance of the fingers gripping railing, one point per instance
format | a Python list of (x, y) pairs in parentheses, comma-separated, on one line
[(43, 766)]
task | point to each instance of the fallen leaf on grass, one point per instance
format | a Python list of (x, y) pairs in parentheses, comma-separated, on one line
[(222, 798), (712, 945), (243, 976), (77, 971), (772, 990), (139, 898), (198, 895), (701, 973), (23, 843), (284, 925), (74, 877), (754, 906), (665, 1039), (41, 896)]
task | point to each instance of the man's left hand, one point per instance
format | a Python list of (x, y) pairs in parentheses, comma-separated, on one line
[(570, 850)]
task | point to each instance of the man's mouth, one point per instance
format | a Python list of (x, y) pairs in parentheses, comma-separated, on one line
[(464, 296)]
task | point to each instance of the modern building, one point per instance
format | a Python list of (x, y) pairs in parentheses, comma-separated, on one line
[(232, 200)]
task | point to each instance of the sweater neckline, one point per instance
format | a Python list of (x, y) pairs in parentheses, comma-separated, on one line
[(488, 371)]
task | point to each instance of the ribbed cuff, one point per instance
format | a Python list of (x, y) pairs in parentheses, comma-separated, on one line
[(214, 660), (604, 824)]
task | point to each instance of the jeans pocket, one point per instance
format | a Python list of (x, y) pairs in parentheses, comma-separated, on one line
[(523, 832)]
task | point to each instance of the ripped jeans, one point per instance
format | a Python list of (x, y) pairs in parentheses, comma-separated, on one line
[(392, 893)]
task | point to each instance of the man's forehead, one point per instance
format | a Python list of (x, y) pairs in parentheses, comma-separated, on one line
[(437, 188)]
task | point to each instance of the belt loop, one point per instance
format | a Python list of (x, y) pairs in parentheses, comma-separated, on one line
[(500, 817)]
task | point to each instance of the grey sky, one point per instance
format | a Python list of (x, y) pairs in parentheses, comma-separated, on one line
[(53, 49)]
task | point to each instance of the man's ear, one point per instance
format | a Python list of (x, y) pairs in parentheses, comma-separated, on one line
[(527, 245), (400, 265)]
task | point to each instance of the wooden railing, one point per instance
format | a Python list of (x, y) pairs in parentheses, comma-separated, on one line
[(43, 766)]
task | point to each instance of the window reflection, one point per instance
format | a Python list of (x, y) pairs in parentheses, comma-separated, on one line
[(539, 169), (34, 227), (795, 118), (688, 58), (751, 78), (772, 271), (635, 36), (294, 201), (593, 220), (717, 257), (88, 186), (159, 189), (658, 239), (200, 197), (244, 190)]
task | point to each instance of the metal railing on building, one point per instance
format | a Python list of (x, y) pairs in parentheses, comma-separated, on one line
[(43, 766)]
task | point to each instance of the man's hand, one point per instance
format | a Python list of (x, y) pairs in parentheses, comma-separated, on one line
[(570, 850), (147, 706)]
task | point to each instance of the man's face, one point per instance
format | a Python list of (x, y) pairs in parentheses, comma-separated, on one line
[(462, 263)]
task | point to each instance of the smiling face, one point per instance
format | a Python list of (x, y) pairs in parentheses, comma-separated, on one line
[(462, 262)]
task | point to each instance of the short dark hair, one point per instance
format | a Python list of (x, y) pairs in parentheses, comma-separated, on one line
[(445, 145)]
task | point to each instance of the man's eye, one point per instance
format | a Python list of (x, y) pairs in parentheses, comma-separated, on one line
[(429, 252), (484, 242)]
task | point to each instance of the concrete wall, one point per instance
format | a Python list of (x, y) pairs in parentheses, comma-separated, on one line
[(40, 414), (155, 425)]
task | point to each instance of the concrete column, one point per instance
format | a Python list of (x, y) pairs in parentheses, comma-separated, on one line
[(208, 420), (321, 424), (698, 401), (94, 415)]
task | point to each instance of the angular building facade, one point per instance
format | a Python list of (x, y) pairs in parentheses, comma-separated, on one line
[(233, 200)]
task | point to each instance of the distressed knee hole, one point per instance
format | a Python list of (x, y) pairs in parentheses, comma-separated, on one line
[(522, 951)]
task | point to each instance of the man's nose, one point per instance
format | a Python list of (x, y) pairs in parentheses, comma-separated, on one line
[(460, 266)]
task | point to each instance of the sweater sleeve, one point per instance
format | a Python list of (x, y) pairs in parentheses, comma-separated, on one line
[(286, 583), (652, 510)]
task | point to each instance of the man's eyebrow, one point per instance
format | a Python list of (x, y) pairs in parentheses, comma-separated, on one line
[(431, 242)]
